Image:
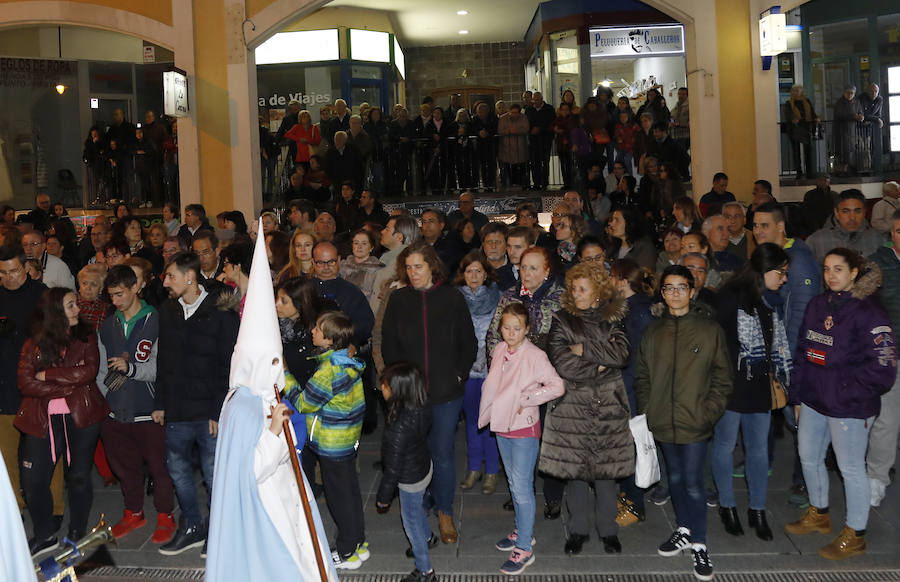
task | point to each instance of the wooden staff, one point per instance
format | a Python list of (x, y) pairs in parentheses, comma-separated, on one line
[(295, 463)]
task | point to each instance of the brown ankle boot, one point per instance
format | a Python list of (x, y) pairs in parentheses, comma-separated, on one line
[(490, 484), (449, 535), (811, 521), (847, 544)]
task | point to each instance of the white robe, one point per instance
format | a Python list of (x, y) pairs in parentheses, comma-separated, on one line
[(281, 498)]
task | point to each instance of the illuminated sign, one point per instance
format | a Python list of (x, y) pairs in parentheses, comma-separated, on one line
[(637, 41)]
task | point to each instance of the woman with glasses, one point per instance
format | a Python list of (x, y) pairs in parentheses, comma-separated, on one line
[(590, 250), (751, 312), (569, 230), (476, 280), (682, 382), (236, 259), (527, 215), (846, 359)]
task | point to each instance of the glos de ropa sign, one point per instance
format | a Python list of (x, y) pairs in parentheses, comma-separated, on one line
[(637, 41)]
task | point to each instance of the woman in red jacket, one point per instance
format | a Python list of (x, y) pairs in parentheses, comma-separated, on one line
[(305, 134), (60, 413)]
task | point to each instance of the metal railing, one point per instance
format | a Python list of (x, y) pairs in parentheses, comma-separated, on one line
[(423, 166), (134, 179), (837, 147)]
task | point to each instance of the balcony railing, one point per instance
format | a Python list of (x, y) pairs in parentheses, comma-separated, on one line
[(840, 148)]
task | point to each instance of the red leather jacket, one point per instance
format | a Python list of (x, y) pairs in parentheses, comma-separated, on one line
[(74, 379)]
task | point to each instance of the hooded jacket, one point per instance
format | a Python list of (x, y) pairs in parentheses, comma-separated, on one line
[(432, 329), (846, 357), (866, 240), (518, 383), (889, 291), (541, 306), (683, 376), (586, 434), (134, 400)]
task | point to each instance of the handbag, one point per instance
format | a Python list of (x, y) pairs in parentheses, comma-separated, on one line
[(646, 463), (776, 387)]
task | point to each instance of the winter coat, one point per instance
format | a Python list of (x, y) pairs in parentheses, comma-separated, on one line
[(517, 384), (134, 400), (194, 357), (311, 136), (404, 451), (866, 240), (846, 356), (586, 434), (752, 392), (74, 379), (361, 274), (889, 292), (683, 376), (513, 139), (803, 282), (432, 329), (541, 308), (636, 321), (15, 310), (482, 306)]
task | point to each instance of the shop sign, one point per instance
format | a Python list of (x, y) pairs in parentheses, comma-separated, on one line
[(175, 94), (33, 72), (772, 36), (277, 100), (637, 41)]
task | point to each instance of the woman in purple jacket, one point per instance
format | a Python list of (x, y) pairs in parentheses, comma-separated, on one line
[(846, 359)]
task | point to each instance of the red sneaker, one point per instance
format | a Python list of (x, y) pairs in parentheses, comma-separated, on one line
[(130, 522), (165, 528)]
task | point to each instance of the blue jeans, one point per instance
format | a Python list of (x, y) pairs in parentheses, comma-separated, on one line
[(519, 457), (481, 445), (685, 464), (180, 440), (849, 437), (415, 524), (755, 430), (441, 442)]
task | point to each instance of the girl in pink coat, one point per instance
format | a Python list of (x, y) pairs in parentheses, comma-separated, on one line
[(520, 379)]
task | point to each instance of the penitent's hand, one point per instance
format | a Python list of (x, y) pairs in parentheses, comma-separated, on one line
[(159, 417), (280, 413)]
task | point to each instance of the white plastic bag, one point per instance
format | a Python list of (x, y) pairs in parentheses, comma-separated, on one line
[(646, 466)]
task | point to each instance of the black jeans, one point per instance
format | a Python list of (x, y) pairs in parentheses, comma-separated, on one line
[(36, 470), (342, 496)]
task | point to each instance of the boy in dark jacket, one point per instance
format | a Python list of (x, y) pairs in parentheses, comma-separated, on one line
[(127, 375), (682, 382)]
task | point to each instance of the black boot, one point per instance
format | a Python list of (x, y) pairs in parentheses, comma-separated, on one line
[(730, 521), (756, 518)]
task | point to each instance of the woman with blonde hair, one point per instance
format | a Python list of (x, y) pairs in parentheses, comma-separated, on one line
[(300, 261), (587, 440)]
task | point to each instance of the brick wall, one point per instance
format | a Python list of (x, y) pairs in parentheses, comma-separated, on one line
[(499, 64)]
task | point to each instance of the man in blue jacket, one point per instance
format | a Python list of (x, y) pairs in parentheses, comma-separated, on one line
[(883, 437), (804, 282)]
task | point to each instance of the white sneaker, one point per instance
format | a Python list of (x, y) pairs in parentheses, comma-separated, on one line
[(876, 492)]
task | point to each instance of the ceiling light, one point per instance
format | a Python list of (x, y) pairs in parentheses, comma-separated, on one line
[(606, 83), (60, 88), (462, 12), (464, 32)]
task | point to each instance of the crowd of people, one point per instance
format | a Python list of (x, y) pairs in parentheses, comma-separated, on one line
[(133, 164), (486, 147), (717, 322)]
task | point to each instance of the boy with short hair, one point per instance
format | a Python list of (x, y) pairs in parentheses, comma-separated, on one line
[(334, 404), (127, 375)]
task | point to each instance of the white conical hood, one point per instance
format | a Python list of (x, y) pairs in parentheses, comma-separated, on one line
[(257, 359)]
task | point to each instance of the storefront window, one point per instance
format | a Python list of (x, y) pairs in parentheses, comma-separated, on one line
[(365, 72), (566, 65), (39, 129), (312, 86), (839, 39)]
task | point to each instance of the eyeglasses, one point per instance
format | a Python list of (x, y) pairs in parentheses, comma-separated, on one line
[(674, 289), (594, 259), (32, 244), (11, 272), (781, 272), (205, 252), (327, 263)]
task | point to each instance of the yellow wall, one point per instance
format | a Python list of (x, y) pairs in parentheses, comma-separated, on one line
[(736, 96), (159, 10), (343, 17), (213, 116)]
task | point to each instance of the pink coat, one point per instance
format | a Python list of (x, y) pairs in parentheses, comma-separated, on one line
[(515, 386)]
